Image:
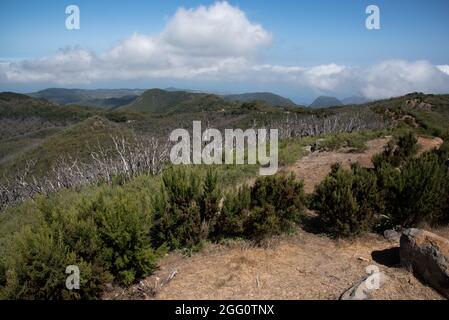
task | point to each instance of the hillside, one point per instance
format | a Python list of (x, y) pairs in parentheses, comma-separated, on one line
[(325, 102), (162, 101), (40, 131), (272, 99), (102, 98), (355, 100)]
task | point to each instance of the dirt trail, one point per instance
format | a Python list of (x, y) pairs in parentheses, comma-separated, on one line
[(314, 167), (304, 266)]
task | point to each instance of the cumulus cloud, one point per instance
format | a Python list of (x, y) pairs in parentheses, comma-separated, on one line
[(200, 41), (219, 42)]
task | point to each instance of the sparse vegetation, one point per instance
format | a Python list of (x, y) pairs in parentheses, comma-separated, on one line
[(401, 191), (115, 228)]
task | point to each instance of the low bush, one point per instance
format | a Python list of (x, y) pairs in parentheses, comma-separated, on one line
[(398, 151), (185, 208), (418, 192), (234, 213), (35, 268), (346, 201), (105, 234), (274, 205), (122, 223)]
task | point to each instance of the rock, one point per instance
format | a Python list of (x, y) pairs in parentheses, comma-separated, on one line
[(427, 255), (364, 289), (392, 235)]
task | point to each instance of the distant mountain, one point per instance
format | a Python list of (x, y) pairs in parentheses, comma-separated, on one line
[(355, 100), (272, 99), (174, 89), (163, 101), (102, 98), (325, 102)]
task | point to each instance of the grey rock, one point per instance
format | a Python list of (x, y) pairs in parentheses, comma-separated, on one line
[(427, 256), (364, 289), (392, 235)]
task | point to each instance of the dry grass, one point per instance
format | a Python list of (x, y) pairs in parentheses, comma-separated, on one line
[(304, 266)]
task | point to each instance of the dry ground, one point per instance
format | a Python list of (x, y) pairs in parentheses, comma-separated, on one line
[(302, 266)]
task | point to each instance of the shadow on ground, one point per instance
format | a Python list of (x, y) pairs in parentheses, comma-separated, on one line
[(387, 257)]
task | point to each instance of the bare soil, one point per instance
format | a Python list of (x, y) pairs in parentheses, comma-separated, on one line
[(301, 266)]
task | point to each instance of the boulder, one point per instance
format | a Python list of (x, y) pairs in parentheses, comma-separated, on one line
[(427, 255)]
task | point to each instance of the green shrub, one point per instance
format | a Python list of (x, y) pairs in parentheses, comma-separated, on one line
[(418, 192), (346, 200), (285, 194), (123, 224), (398, 152), (235, 212), (263, 222), (210, 203), (274, 205), (35, 268), (185, 209), (105, 234)]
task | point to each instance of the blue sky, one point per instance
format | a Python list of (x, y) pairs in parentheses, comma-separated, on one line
[(302, 34)]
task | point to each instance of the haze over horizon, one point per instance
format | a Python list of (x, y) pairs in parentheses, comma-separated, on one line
[(298, 50)]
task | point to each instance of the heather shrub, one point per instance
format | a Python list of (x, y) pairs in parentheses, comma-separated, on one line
[(235, 211), (123, 224), (185, 209), (346, 201), (273, 205), (398, 151), (285, 194), (210, 203), (35, 267), (418, 192)]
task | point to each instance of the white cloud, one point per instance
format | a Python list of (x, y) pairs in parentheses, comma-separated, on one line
[(444, 68), (383, 80), (202, 41), (220, 43), (398, 77)]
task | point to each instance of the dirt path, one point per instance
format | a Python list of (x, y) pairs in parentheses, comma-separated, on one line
[(304, 266), (314, 167)]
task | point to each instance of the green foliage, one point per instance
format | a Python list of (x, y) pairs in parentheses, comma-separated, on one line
[(235, 211), (397, 152), (105, 234), (35, 268), (418, 192), (346, 200), (284, 193), (401, 191), (184, 208), (123, 226), (274, 205)]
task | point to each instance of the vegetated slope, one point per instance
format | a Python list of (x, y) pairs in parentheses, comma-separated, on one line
[(162, 101), (74, 142), (40, 131), (25, 122), (325, 101), (355, 100), (272, 99), (428, 111), (102, 98)]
